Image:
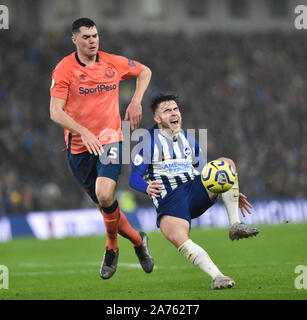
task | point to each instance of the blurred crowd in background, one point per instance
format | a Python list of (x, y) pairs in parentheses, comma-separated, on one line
[(249, 91)]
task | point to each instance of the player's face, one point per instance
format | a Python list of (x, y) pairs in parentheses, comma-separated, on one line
[(86, 41), (168, 116)]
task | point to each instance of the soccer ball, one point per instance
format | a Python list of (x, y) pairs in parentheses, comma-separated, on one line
[(218, 176)]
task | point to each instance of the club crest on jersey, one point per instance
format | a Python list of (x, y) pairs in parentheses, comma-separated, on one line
[(109, 72), (187, 151)]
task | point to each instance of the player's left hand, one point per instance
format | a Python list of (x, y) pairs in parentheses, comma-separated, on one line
[(134, 114), (244, 205)]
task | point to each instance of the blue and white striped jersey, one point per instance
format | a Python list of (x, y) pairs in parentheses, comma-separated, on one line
[(171, 162)]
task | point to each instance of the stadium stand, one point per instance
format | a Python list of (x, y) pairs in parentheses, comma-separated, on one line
[(248, 90)]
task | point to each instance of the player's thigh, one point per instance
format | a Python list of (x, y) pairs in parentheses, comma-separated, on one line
[(199, 198), (108, 171), (83, 167), (110, 162), (176, 230)]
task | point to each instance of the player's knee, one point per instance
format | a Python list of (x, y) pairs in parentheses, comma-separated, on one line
[(105, 197), (105, 191), (177, 239), (176, 230), (230, 161)]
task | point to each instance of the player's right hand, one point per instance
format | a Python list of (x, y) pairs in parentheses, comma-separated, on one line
[(244, 205), (92, 143), (153, 189), (134, 114)]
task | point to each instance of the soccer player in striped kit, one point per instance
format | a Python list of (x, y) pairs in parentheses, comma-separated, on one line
[(166, 165), (85, 102)]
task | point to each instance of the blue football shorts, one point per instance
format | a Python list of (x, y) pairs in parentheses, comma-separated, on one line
[(188, 201), (87, 167)]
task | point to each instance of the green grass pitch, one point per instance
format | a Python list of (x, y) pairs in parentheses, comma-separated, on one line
[(60, 269)]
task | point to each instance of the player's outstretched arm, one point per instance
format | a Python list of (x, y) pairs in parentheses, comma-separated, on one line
[(59, 116), (134, 110), (244, 205)]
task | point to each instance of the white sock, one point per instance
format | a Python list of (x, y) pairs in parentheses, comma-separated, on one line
[(200, 258), (231, 202)]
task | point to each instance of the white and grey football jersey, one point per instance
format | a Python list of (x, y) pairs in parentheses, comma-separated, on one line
[(172, 162)]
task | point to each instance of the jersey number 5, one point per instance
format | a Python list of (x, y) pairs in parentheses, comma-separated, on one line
[(113, 153)]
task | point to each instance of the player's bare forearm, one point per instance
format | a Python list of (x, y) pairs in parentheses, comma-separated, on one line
[(59, 116), (142, 82), (134, 110)]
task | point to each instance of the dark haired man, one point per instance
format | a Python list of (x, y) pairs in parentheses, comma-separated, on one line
[(85, 102), (170, 162)]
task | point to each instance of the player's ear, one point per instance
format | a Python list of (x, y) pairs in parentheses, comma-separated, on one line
[(157, 118), (73, 39)]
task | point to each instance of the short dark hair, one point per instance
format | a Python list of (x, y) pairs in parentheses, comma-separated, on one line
[(82, 22), (162, 98)]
